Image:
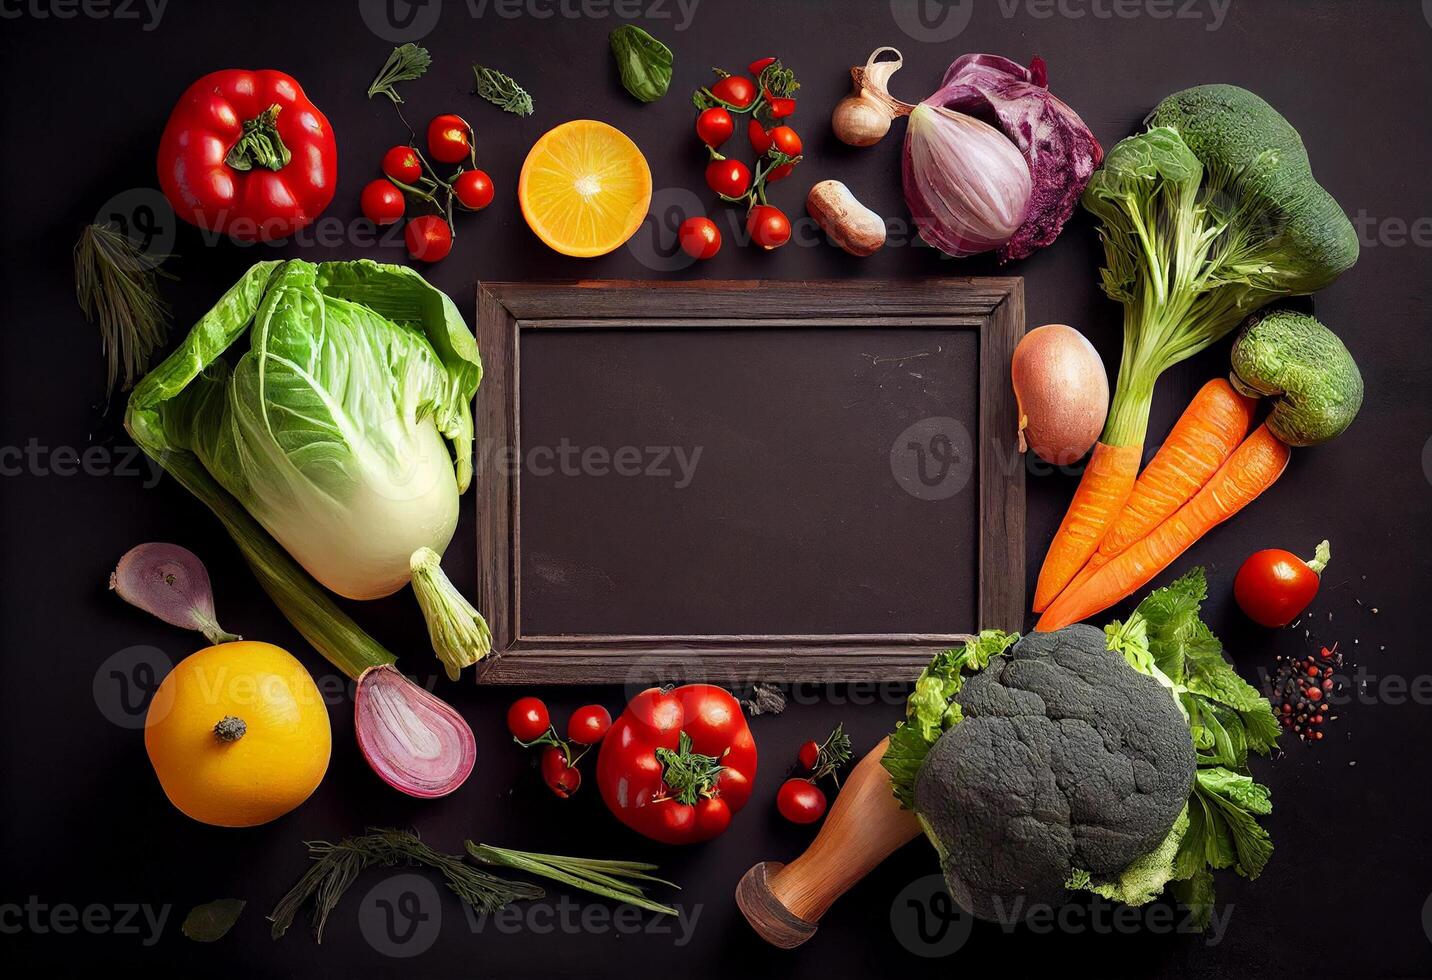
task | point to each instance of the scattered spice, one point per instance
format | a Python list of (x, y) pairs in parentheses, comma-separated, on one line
[(1300, 687)]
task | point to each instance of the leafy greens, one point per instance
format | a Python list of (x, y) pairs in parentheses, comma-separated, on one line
[(1228, 718)]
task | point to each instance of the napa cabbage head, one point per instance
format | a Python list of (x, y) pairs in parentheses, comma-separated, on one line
[(343, 425)]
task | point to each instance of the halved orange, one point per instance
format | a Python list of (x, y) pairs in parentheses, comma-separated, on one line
[(585, 188)]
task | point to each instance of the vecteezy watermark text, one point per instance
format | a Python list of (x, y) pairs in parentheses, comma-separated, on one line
[(412, 20), (37, 459), (147, 12), (937, 21), (567, 459), (63, 919)]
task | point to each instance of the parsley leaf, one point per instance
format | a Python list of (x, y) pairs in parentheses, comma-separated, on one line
[(407, 62)]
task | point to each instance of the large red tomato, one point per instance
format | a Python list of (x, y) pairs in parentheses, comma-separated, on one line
[(677, 764), (245, 153)]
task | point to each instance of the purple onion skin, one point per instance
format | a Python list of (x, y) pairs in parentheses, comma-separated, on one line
[(1061, 152), (171, 583)]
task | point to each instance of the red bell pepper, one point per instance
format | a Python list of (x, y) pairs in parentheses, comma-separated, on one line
[(677, 764), (245, 153)]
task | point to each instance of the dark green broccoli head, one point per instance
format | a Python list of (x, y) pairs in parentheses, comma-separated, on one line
[(1066, 759), (1267, 183)]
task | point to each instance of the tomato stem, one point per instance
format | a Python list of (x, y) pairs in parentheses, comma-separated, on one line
[(260, 144)]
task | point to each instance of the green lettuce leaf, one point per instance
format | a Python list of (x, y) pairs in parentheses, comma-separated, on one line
[(1145, 879), (930, 710)]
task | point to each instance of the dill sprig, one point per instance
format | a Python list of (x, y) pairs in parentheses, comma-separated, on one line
[(407, 62), (116, 284), (337, 865), (501, 90)]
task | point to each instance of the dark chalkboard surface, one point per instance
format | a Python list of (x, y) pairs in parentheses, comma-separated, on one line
[(688, 473)]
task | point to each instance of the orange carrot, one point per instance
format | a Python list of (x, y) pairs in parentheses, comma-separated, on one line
[(1102, 493), (1254, 467), (1207, 433)]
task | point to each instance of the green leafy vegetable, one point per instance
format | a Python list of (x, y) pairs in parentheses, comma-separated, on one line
[(931, 710), (335, 418), (211, 921), (501, 90), (1145, 879), (1227, 718), (407, 62), (643, 62), (116, 284)]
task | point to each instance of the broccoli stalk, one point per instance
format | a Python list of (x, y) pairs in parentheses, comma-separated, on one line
[(1206, 217)]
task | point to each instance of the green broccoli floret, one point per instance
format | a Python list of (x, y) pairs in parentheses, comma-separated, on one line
[(1208, 216)]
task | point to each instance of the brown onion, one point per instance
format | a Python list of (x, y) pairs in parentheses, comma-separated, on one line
[(1063, 393)]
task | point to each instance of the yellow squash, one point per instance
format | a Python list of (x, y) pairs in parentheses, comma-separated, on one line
[(238, 734)]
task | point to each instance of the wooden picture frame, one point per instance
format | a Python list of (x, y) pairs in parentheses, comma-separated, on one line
[(506, 312)]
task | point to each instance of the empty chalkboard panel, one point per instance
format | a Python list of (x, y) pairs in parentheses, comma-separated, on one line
[(741, 481)]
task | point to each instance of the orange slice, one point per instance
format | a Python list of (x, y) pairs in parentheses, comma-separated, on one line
[(585, 188)]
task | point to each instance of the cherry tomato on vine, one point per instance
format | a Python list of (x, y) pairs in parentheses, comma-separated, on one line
[(780, 108), (714, 126), (779, 173), (429, 238), (760, 65), (1274, 586), (401, 163), (381, 202), (735, 90), (800, 801), (589, 724), (809, 755), (699, 237), (786, 140), (760, 139), (528, 719), (449, 139), (768, 226), (561, 778), (729, 177), (473, 189)]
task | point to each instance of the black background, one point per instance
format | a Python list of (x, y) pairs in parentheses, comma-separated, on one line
[(84, 821)]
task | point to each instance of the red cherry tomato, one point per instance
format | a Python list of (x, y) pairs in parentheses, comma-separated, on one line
[(800, 801), (780, 108), (473, 189), (760, 65), (808, 755), (768, 226), (401, 163), (449, 139), (786, 140), (735, 90), (1274, 586), (528, 719), (562, 779), (760, 139), (381, 202), (589, 724), (699, 237), (429, 238), (714, 126), (731, 178), (779, 173)]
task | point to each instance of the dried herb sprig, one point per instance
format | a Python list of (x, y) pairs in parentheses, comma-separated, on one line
[(116, 284), (337, 865), (610, 879), (407, 62), (833, 754), (501, 90)]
